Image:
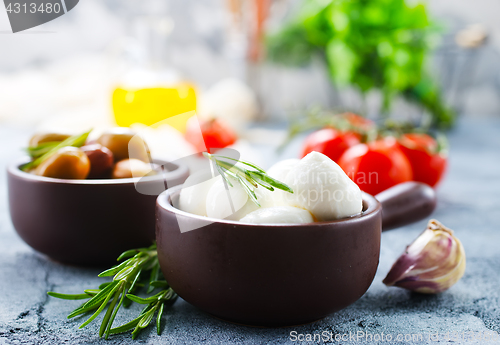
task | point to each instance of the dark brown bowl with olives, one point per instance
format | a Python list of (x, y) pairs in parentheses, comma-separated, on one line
[(84, 203)]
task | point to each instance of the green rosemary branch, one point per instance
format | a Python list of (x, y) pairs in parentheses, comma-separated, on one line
[(115, 294), (248, 179)]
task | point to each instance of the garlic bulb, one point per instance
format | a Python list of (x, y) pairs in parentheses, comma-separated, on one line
[(431, 264)]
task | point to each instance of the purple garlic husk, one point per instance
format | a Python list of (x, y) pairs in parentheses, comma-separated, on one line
[(431, 264)]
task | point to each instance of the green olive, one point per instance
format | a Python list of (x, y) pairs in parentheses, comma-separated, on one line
[(67, 163), (124, 143), (128, 168), (41, 138)]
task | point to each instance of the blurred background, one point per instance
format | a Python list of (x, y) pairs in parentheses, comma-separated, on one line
[(253, 61)]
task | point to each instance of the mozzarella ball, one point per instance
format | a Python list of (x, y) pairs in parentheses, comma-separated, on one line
[(322, 187), (194, 192), (219, 201), (278, 197), (280, 170), (278, 215), (249, 207), (267, 198)]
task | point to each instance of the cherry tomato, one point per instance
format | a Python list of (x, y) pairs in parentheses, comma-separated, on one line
[(216, 134), (358, 122), (330, 142), (376, 166), (427, 163)]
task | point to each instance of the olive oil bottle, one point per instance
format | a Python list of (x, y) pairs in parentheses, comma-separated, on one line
[(151, 90)]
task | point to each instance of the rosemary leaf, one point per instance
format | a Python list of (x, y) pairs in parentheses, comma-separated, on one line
[(128, 254), (101, 308), (70, 297), (109, 312), (127, 271), (134, 282), (242, 162), (148, 300), (115, 269), (101, 295), (146, 319), (92, 292), (138, 299), (272, 181), (132, 324), (41, 149), (153, 276), (249, 191), (75, 140), (221, 172), (110, 323), (126, 327), (159, 284), (158, 318)]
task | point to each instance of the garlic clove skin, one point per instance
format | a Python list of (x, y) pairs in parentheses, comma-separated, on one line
[(431, 264)]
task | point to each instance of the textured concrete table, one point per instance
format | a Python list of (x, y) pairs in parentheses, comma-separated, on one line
[(469, 202)]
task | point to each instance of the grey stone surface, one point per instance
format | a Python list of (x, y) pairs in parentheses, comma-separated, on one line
[(468, 203)]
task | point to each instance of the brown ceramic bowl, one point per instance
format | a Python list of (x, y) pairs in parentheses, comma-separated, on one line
[(85, 222), (280, 275)]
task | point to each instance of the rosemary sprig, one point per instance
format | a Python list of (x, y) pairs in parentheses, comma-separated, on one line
[(116, 293), (40, 150), (248, 179), (43, 151)]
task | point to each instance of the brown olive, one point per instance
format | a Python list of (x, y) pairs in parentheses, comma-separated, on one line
[(128, 168), (124, 143), (101, 160), (41, 138), (68, 163)]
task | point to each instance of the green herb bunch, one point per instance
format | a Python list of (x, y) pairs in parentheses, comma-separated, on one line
[(368, 44), (141, 269)]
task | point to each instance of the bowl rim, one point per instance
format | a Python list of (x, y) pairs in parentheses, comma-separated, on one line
[(178, 172), (164, 201)]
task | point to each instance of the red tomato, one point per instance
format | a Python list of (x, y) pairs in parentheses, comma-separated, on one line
[(215, 134), (376, 166), (358, 121), (427, 163), (330, 142)]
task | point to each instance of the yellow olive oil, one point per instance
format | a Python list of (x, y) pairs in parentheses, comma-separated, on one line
[(153, 104)]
